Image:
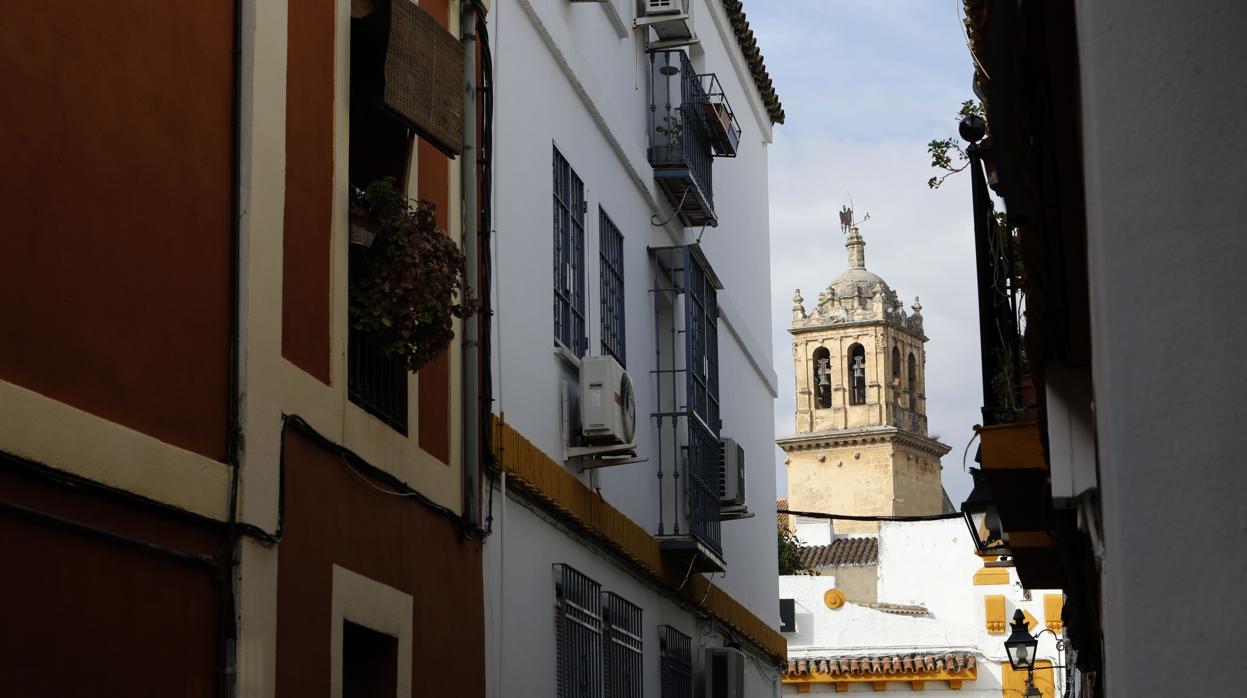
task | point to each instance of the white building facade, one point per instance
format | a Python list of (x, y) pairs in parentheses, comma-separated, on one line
[(631, 223), (939, 624)]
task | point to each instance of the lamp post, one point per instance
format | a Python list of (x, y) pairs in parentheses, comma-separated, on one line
[(1022, 647)]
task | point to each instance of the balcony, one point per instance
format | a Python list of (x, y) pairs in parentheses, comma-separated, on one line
[(690, 122), (687, 413)]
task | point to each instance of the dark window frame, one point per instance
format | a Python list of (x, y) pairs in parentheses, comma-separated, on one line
[(578, 634), (611, 283), (676, 663), (822, 395), (569, 253), (624, 648)]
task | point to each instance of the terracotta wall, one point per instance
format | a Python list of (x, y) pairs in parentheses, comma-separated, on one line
[(90, 617), (305, 332), (116, 244), (332, 517)]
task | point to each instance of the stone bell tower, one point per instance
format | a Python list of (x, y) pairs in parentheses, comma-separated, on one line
[(861, 444)]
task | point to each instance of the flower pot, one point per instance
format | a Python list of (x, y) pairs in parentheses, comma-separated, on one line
[(363, 228)]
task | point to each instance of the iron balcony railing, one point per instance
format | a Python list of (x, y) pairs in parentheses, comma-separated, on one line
[(1000, 301), (680, 136), (687, 417), (377, 381)]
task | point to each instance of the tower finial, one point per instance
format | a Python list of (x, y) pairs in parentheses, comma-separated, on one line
[(857, 249)]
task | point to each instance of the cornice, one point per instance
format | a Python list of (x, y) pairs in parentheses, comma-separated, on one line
[(814, 441)]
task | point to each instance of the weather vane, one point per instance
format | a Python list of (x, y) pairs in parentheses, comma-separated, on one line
[(846, 218)]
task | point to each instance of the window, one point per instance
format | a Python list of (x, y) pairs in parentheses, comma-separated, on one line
[(569, 251), (822, 378), (857, 375), (623, 647), (702, 324), (896, 364), (676, 649), (369, 662), (379, 146), (610, 248), (913, 382), (578, 634)]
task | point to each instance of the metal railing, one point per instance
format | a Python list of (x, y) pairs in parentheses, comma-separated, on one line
[(686, 374), (377, 381), (676, 655), (1000, 301), (578, 633), (678, 126), (624, 647)]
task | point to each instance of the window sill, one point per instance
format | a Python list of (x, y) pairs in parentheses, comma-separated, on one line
[(567, 355)]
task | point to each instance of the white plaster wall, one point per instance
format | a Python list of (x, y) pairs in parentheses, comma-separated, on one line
[(929, 563), (520, 607), (1164, 93), (565, 78)]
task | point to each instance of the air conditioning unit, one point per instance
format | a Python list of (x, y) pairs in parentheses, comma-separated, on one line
[(725, 673), (607, 402), (663, 7), (731, 475)]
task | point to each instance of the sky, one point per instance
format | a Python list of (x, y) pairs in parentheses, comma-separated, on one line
[(865, 85)]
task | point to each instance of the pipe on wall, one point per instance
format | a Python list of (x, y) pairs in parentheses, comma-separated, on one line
[(470, 365)]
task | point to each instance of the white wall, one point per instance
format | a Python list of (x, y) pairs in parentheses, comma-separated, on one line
[(1164, 94), (564, 77), (924, 563)]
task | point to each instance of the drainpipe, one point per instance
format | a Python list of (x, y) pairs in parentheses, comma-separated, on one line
[(470, 366)]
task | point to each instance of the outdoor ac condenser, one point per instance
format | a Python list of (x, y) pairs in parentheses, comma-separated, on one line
[(607, 403), (731, 475), (663, 7), (725, 673)]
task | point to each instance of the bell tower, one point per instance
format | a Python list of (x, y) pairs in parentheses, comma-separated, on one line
[(861, 445)]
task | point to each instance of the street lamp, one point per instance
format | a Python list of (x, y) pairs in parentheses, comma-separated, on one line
[(1020, 645), (982, 518)]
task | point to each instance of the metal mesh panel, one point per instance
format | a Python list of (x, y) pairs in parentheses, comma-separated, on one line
[(612, 288), (623, 648), (677, 662), (424, 76), (578, 630)]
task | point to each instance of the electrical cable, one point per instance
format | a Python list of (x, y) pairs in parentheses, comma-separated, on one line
[(856, 517), (657, 224)]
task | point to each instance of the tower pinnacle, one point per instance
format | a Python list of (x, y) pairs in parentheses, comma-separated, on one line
[(857, 249)]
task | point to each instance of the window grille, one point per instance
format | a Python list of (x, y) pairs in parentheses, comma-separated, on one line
[(703, 344), (578, 634), (569, 249), (377, 381), (676, 650), (623, 647), (612, 281)]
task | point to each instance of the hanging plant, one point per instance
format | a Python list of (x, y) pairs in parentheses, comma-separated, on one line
[(406, 287)]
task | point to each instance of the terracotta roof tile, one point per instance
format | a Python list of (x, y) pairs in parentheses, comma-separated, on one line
[(861, 550), (753, 57), (907, 663), (783, 520)]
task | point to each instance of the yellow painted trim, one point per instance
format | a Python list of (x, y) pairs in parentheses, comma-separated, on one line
[(1052, 606), (834, 598), (916, 679), (1031, 621), (1031, 539), (530, 470), (1013, 681), (989, 576), (1014, 446), (53, 433), (994, 613)]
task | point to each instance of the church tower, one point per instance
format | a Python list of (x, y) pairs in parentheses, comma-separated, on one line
[(861, 445)]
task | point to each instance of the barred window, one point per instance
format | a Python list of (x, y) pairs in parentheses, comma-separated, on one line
[(623, 647), (702, 323), (676, 649), (578, 634), (612, 280), (569, 250)]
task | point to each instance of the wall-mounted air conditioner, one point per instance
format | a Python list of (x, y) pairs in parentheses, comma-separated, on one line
[(607, 402), (725, 673), (663, 7), (731, 475)]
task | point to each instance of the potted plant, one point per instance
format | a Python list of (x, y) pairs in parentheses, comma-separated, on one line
[(407, 287)]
